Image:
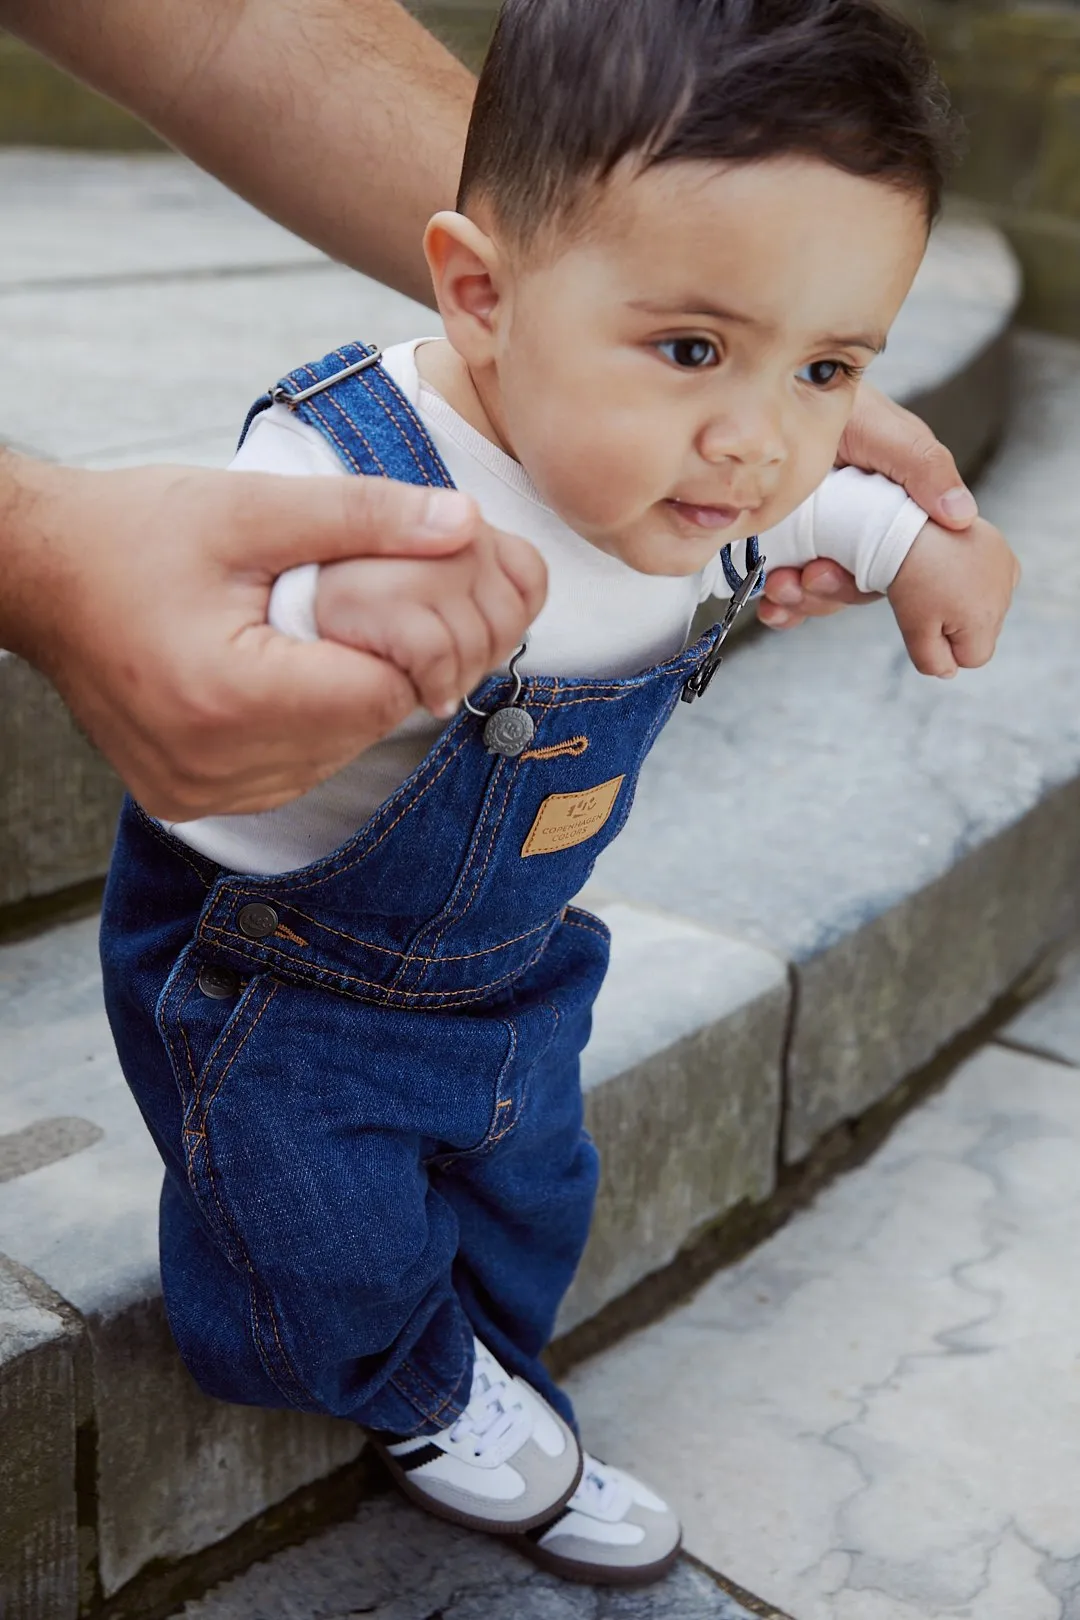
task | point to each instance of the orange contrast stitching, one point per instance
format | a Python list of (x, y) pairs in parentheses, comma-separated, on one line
[(574, 747)]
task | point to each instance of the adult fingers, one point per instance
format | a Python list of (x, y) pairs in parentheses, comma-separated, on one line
[(883, 437), (283, 522), (821, 588)]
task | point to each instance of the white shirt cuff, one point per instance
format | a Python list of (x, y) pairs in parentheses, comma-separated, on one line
[(292, 602)]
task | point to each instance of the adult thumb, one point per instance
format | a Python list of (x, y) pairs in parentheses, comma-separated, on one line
[(326, 519)]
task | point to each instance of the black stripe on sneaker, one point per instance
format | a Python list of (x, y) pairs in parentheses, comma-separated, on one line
[(539, 1531), (417, 1459)]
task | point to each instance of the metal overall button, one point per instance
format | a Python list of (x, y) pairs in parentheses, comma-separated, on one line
[(509, 730), (219, 983), (257, 921)]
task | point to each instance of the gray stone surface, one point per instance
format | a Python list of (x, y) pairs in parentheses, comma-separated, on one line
[(39, 1561), (58, 798), (915, 843), (874, 1415), (1050, 1024), (72, 217), (152, 365), (394, 1563), (176, 1471), (948, 350), (682, 1093)]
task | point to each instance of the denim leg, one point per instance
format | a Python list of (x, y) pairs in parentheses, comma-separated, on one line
[(524, 1203)]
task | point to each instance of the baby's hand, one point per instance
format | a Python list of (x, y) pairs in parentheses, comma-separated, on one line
[(445, 622), (952, 594)]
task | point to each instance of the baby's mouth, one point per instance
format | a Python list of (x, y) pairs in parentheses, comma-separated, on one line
[(706, 517)]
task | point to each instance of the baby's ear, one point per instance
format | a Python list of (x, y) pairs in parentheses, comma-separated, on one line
[(465, 269)]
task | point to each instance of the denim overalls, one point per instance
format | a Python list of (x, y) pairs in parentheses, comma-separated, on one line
[(363, 1076)]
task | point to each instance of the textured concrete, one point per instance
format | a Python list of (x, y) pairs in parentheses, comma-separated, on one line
[(874, 1416), (71, 218), (39, 1562), (948, 353), (1050, 1024), (682, 1094), (58, 798), (394, 1563), (918, 842)]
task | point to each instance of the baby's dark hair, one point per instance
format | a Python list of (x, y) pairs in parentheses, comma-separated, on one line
[(571, 88)]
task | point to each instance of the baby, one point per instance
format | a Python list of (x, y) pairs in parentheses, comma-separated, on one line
[(354, 1024)]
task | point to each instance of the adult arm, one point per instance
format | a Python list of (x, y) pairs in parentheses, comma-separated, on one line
[(343, 119)]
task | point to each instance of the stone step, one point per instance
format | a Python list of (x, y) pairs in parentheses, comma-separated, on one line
[(166, 304), (873, 1415)]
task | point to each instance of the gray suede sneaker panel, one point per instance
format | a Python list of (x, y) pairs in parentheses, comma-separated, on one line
[(548, 1482)]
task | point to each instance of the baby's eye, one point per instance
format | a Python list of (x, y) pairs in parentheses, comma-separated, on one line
[(820, 373), (692, 354)]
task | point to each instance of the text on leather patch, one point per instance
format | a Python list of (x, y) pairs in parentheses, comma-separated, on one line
[(566, 819)]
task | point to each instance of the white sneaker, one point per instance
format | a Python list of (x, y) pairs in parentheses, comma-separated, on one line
[(508, 1463), (612, 1532)]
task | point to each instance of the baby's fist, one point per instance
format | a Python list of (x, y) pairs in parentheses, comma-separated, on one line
[(951, 596), (445, 622)]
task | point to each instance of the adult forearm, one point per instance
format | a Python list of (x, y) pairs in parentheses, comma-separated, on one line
[(343, 119)]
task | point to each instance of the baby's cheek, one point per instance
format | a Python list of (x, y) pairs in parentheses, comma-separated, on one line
[(599, 484)]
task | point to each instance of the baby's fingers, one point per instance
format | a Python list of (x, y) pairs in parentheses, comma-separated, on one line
[(930, 650), (973, 645)]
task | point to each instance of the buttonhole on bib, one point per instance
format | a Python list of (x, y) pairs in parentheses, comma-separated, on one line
[(573, 748)]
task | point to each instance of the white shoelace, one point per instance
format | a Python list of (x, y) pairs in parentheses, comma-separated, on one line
[(601, 1492), (491, 1413)]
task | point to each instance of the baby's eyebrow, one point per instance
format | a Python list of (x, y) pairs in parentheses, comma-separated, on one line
[(706, 310)]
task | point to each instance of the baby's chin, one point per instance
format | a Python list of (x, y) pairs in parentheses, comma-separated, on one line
[(661, 555)]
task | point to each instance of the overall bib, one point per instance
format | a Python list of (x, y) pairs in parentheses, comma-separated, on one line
[(362, 1076)]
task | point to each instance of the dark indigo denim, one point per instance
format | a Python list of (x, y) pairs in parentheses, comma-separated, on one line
[(375, 1148)]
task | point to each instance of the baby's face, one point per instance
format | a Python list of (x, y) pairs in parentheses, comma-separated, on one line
[(682, 376)]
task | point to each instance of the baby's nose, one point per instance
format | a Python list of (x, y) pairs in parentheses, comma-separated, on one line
[(751, 438)]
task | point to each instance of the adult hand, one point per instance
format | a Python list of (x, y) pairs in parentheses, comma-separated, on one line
[(881, 437), (143, 597)]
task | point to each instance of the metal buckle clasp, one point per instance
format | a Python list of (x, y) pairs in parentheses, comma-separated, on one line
[(281, 396), (700, 679)]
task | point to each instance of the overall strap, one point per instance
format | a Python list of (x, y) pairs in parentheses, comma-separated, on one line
[(362, 414)]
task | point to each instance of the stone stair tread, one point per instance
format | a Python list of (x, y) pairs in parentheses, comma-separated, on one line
[(868, 1415), (80, 216), (395, 1563)]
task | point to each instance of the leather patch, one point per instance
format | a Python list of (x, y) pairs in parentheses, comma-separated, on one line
[(566, 819)]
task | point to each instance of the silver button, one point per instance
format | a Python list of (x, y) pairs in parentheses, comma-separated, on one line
[(257, 921), (219, 983), (509, 732)]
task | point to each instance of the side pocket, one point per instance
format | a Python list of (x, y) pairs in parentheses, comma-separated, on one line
[(204, 1035)]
